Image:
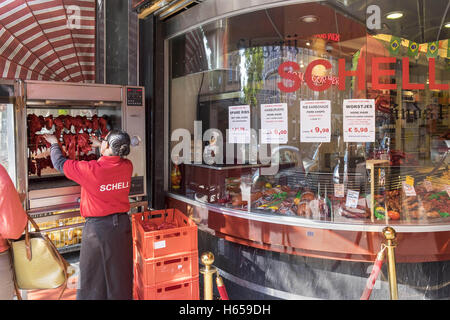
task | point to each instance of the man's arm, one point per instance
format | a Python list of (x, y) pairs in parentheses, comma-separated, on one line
[(57, 157)]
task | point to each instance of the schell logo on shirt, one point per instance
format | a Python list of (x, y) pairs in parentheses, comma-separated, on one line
[(114, 186)]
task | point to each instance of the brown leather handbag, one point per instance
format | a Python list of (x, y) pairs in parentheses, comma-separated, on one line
[(37, 263)]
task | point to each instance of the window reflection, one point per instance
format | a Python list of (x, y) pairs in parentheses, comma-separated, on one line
[(320, 52)]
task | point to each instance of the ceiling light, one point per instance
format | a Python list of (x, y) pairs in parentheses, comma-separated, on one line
[(447, 25), (394, 15), (308, 43), (309, 18)]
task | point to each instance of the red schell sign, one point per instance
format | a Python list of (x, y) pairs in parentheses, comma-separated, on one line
[(290, 70)]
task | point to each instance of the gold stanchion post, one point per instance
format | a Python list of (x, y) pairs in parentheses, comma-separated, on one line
[(390, 236), (208, 271)]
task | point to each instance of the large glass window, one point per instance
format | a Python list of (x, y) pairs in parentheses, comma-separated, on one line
[(331, 110)]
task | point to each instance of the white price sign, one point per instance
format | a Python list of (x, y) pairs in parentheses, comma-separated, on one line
[(359, 120), (274, 125), (339, 190), (315, 121), (352, 199), (239, 124), (408, 189)]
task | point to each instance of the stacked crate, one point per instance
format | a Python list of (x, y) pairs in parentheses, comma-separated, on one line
[(165, 256)]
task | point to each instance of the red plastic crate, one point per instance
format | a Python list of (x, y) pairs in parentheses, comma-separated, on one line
[(183, 289), (159, 243), (167, 268)]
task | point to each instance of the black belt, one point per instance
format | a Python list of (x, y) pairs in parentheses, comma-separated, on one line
[(109, 215)]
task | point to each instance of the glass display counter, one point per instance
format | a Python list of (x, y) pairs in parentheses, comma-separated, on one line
[(295, 128)]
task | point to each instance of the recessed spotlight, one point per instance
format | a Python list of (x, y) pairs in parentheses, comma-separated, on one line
[(447, 25), (308, 43), (309, 18), (394, 15)]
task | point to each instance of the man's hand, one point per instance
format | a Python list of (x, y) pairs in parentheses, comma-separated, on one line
[(50, 138), (95, 142)]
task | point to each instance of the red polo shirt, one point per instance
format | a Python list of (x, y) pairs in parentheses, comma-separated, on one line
[(105, 184)]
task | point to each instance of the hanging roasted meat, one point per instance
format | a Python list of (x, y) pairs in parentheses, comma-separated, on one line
[(31, 166), (41, 142), (87, 124), (70, 141), (103, 126), (95, 124), (59, 126), (42, 163), (67, 122), (83, 143), (75, 144), (78, 123), (49, 122), (34, 124)]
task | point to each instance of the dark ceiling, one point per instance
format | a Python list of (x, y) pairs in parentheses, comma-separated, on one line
[(422, 20)]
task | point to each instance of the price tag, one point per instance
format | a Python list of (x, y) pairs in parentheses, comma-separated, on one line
[(315, 121), (410, 180), (408, 189), (274, 123), (359, 120), (239, 124), (428, 186), (339, 190), (352, 199)]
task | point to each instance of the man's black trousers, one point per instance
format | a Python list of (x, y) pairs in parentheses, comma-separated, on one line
[(106, 259)]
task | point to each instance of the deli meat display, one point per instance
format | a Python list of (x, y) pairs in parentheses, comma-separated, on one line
[(73, 113)]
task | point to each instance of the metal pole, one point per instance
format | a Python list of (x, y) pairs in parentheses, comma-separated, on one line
[(390, 236), (208, 271)]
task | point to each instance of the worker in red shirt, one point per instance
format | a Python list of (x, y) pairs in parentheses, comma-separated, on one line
[(106, 256), (13, 221)]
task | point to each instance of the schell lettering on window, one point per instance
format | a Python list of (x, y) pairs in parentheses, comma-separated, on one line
[(114, 186)]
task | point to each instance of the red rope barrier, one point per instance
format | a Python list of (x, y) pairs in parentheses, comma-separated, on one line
[(373, 275), (221, 288)]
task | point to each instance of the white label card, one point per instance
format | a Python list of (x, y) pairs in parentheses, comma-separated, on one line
[(359, 120), (159, 244), (274, 123), (239, 124), (408, 189), (339, 190), (315, 121), (352, 199)]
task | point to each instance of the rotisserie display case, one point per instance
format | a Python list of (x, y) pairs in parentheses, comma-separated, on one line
[(72, 112)]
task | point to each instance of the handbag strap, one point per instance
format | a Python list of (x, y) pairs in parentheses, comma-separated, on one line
[(63, 263), (27, 235), (16, 287)]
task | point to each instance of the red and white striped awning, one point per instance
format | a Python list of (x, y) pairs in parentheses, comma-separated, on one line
[(48, 40)]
